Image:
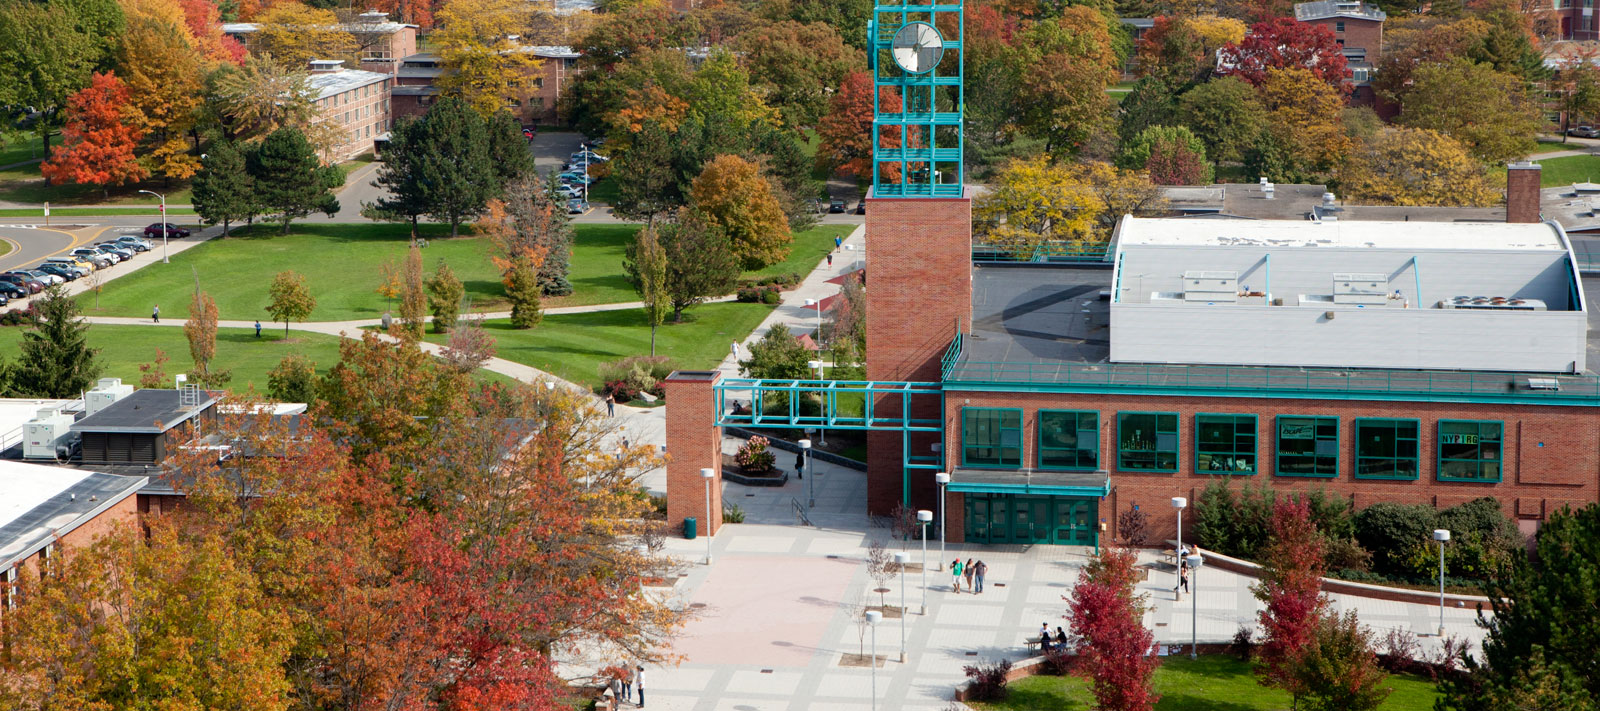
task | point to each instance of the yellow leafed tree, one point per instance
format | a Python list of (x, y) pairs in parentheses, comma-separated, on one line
[(295, 34), (1304, 117), (161, 66), (484, 66), (1035, 202), (1414, 166)]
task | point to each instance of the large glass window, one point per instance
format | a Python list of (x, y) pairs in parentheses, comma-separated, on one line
[(1469, 450), (1069, 439), (1225, 444), (1308, 446), (1147, 441), (991, 437), (1386, 449)]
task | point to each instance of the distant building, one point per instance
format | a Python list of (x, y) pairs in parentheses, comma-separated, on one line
[(380, 42), (356, 102), (1358, 27), (416, 90), (45, 510), (1575, 17)]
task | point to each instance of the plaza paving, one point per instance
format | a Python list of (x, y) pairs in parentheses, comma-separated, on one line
[(776, 618)]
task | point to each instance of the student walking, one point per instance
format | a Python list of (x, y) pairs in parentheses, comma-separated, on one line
[(955, 575), (967, 571), (830, 259), (981, 570), (155, 313), (638, 681), (611, 405), (837, 240), (800, 464), (1183, 575), (627, 685), (258, 328), (735, 352)]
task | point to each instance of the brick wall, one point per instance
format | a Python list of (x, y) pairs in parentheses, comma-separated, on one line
[(1550, 455), (693, 442), (1522, 192), (360, 115), (1357, 34), (919, 284)]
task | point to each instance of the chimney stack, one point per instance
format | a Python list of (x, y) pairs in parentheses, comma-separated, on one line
[(1522, 192)]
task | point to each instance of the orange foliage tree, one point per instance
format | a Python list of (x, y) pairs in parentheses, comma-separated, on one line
[(99, 138), (846, 130)]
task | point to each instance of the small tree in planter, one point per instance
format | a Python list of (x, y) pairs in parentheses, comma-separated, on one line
[(754, 457), (881, 568)]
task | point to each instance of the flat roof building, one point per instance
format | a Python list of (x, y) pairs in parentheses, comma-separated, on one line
[(44, 507)]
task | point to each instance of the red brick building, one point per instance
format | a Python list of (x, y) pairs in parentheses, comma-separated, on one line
[(46, 510), (380, 43), (1358, 28), (415, 90)]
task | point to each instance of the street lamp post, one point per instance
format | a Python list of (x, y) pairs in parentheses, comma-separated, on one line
[(924, 517), (943, 479), (1195, 561), (163, 223), (873, 618), (817, 303), (823, 407), (708, 474), (805, 453), (1441, 535), (901, 558), (1178, 502)]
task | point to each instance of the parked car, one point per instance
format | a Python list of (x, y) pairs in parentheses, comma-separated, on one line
[(100, 259), (117, 256), (43, 276), (594, 143), (72, 263), (121, 250), (592, 157), (577, 207), (578, 178), (1584, 132), (569, 192), (861, 206), (12, 291), (836, 206), (138, 243), (173, 231), (66, 273), (4, 299), (33, 285)]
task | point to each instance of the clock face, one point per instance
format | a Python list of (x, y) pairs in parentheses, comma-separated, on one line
[(918, 47)]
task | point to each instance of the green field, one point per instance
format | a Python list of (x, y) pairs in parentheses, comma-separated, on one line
[(1568, 170), (150, 211), (26, 185), (1553, 146), (572, 346), (1210, 683), (23, 146), (342, 264), (123, 348)]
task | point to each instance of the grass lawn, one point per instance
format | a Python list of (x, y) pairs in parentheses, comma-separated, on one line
[(150, 211), (807, 249), (26, 185), (1569, 170), (604, 191), (123, 348), (5, 247), (1553, 146), (572, 346), (1210, 683), (23, 146)]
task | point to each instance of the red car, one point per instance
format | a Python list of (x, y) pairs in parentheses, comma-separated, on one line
[(33, 285), (173, 231)]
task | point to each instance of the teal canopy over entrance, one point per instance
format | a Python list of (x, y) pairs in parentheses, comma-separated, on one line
[(1031, 506)]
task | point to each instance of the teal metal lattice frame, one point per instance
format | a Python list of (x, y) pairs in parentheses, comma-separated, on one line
[(930, 125), (845, 405)]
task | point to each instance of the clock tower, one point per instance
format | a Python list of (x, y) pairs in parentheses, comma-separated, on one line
[(918, 233)]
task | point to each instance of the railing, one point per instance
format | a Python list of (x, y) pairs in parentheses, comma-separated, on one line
[(1043, 253), (838, 404), (800, 513), (951, 354), (1573, 389), (11, 439)]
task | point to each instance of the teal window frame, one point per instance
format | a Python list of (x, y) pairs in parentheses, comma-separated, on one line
[(1332, 450), (1376, 424), (1155, 450), (1232, 451), (1499, 461), (999, 461), (1079, 432)]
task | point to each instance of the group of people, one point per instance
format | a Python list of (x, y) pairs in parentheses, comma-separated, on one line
[(1047, 643), (972, 571), (623, 684)]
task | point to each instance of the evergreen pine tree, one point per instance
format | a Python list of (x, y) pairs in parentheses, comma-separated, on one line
[(509, 154), (290, 181), (224, 191), (452, 163), (647, 185), (522, 288), (56, 360), (398, 174), (444, 297)]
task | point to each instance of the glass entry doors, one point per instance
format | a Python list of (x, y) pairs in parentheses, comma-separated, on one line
[(1014, 518)]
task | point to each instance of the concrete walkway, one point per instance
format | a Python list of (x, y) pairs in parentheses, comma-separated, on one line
[(792, 311)]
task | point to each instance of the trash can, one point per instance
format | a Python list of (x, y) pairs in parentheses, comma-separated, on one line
[(690, 527)]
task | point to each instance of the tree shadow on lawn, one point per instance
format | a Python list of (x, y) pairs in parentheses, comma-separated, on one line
[(1190, 702)]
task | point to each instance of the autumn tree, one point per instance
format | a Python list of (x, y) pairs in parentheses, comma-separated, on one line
[(796, 66), (1578, 84), (261, 96), (1419, 41), (522, 289), (1034, 202), (1304, 137), (55, 359), (1338, 669), (223, 191), (1171, 154), (413, 295), (445, 292), (1114, 649), (295, 34), (646, 265), (99, 138), (485, 67), (469, 346), (701, 263), (1064, 66), (1488, 111), (732, 195), (1226, 114), (201, 330), (290, 299), (1413, 166), (1291, 591), (290, 181), (162, 68), (293, 379), (1284, 43), (48, 53), (532, 223), (204, 20), (845, 132)]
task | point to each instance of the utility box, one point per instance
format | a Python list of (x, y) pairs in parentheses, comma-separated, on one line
[(49, 429), (104, 394)]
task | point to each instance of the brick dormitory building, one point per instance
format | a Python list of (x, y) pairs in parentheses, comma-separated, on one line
[(1418, 362)]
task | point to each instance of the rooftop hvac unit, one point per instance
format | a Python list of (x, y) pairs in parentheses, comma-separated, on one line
[(1357, 288), (1210, 286), (108, 391), (1492, 303), (48, 430)]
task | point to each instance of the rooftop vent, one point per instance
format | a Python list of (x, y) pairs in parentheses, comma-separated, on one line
[(1492, 303), (1210, 286), (324, 66)]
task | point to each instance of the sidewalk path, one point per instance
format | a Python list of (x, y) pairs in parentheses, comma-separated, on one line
[(792, 311)]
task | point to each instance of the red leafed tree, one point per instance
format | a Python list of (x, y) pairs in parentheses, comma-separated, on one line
[(1114, 648), (1174, 163), (98, 140), (1291, 589), (205, 24), (847, 129), (1282, 43)]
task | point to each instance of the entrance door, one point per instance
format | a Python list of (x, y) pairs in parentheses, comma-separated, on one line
[(1075, 521), (1031, 519), (978, 519)]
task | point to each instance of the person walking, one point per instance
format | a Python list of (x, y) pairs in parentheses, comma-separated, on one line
[(736, 352), (837, 240), (155, 313), (830, 259), (1183, 575), (981, 570), (627, 685), (800, 464), (258, 328), (638, 682), (611, 405), (955, 575), (967, 571)]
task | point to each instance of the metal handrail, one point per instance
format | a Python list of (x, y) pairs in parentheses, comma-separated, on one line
[(1047, 252), (800, 513)]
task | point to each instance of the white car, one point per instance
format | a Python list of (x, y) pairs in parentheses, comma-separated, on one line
[(134, 242), (568, 191)]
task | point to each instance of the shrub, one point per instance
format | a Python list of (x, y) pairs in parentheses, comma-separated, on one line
[(20, 317), (1133, 526), (1058, 661), (1337, 670), (1391, 530), (731, 513), (987, 680), (771, 296), (1482, 539), (1243, 646), (633, 375), (1346, 554), (759, 294), (753, 456), (1237, 523)]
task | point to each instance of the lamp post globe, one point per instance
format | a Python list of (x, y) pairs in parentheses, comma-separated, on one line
[(1441, 535), (943, 480), (1179, 503), (1195, 561), (805, 454), (924, 517), (873, 618), (707, 473)]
